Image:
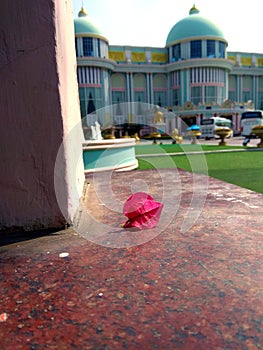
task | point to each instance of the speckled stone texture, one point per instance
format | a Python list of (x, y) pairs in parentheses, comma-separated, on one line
[(192, 287)]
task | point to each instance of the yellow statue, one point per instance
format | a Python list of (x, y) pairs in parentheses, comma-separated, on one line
[(176, 137), (158, 117), (136, 136)]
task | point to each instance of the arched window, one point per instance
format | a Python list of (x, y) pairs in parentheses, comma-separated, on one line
[(139, 83), (118, 89), (232, 88), (160, 90)]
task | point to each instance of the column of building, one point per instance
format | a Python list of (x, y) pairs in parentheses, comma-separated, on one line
[(128, 96), (131, 102)]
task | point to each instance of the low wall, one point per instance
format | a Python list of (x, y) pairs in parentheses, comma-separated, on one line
[(109, 154)]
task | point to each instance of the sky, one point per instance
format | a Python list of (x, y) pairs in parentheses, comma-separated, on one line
[(148, 22)]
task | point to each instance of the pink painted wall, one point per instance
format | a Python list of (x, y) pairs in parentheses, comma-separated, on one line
[(39, 108)]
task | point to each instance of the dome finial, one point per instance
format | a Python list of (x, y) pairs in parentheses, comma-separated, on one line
[(82, 12), (193, 10)]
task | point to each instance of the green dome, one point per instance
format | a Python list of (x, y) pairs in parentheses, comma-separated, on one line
[(83, 25), (193, 26)]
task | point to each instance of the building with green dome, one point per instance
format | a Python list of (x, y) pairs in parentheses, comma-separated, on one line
[(192, 78), (192, 27)]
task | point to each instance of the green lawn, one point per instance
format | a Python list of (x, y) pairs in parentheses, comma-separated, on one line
[(244, 169), (153, 149)]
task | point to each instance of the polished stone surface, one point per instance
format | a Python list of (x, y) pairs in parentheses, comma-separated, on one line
[(196, 282)]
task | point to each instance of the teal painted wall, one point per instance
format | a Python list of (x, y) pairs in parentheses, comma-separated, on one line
[(111, 157)]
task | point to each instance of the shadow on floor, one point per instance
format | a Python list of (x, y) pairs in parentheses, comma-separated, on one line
[(16, 235)]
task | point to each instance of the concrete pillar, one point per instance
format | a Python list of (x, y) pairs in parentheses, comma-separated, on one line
[(40, 115)]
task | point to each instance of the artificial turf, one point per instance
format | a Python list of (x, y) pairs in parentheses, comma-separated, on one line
[(244, 169)]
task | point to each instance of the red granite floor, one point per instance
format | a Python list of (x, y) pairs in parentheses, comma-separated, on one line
[(194, 282)]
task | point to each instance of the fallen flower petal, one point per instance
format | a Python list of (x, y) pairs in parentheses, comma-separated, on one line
[(142, 211)]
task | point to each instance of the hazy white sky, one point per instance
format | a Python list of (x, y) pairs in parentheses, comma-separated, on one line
[(148, 22)]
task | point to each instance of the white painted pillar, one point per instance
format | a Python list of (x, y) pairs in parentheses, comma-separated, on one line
[(39, 113)]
